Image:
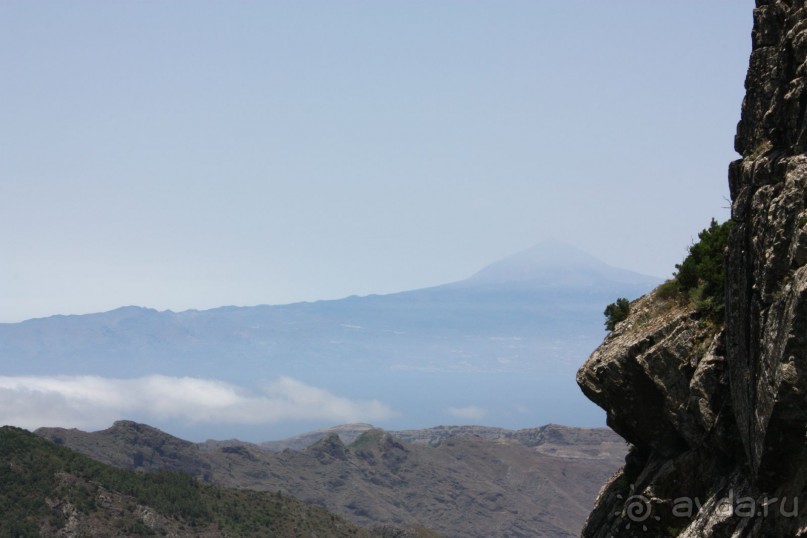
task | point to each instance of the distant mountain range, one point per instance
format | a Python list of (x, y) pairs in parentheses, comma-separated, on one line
[(461, 481), (499, 348), (49, 490)]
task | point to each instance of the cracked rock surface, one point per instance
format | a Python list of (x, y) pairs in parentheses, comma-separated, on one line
[(717, 415)]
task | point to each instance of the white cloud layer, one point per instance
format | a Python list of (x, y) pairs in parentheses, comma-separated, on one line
[(470, 412), (88, 402)]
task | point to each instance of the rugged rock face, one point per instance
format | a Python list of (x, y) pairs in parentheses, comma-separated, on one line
[(717, 416)]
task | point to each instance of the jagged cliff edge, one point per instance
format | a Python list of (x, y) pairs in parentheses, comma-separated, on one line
[(717, 415)]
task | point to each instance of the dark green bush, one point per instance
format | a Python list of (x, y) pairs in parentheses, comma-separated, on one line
[(701, 277), (616, 312)]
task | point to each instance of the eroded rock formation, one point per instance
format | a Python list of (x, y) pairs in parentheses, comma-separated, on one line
[(717, 415)]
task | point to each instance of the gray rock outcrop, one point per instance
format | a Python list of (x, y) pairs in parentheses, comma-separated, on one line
[(717, 414)]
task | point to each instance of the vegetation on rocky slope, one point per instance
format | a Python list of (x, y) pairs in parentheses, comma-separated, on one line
[(616, 312), (699, 280), (48, 489), (701, 277), (461, 481)]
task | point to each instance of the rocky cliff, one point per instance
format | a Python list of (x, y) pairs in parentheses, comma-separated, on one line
[(717, 414)]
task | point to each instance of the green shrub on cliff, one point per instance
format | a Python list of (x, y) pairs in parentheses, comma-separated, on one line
[(616, 312), (699, 279), (701, 276)]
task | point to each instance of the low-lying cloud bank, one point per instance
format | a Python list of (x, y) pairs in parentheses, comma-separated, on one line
[(89, 402)]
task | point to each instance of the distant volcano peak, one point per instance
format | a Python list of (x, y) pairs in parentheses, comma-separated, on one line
[(555, 264)]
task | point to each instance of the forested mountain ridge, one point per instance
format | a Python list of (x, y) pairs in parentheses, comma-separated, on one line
[(49, 490), (463, 481)]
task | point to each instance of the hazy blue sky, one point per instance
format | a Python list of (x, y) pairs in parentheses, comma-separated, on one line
[(190, 154)]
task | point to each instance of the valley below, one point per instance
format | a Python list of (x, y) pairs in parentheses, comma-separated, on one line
[(460, 481)]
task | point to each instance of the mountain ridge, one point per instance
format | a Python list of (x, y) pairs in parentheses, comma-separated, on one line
[(553, 264), (49, 490), (506, 352), (523, 266), (450, 479)]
